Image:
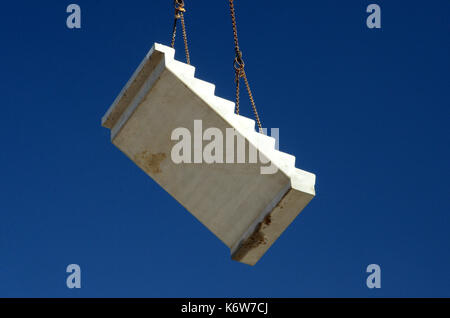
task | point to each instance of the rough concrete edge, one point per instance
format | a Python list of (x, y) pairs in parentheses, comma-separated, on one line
[(145, 88), (257, 222), (265, 234), (302, 182), (117, 108)]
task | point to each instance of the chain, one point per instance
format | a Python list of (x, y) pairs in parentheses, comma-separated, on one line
[(179, 15), (239, 69), (238, 74), (250, 95)]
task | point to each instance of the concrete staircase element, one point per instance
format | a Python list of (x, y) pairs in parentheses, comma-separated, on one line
[(244, 208)]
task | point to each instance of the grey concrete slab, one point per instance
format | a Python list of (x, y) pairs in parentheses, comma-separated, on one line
[(246, 209)]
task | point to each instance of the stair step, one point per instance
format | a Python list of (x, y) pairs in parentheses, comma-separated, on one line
[(285, 160), (202, 87), (182, 68), (264, 142), (169, 53), (224, 106), (244, 122)]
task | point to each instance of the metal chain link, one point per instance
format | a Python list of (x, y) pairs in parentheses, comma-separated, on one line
[(238, 74), (239, 69), (186, 48), (179, 15), (250, 95)]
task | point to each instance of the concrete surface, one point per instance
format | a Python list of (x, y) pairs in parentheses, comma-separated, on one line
[(245, 209)]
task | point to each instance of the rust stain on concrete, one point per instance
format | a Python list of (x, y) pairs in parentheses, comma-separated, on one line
[(256, 239), (150, 162)]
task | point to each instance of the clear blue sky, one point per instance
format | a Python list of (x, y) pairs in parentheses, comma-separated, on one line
[(366, 110)]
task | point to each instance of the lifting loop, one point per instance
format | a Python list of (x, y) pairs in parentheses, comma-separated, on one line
[(179, 15), (239, 66)]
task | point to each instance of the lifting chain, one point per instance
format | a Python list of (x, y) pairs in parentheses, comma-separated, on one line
[(179, 15), (240, 71)]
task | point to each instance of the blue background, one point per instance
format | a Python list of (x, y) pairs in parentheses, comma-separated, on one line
[(366, 110)]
